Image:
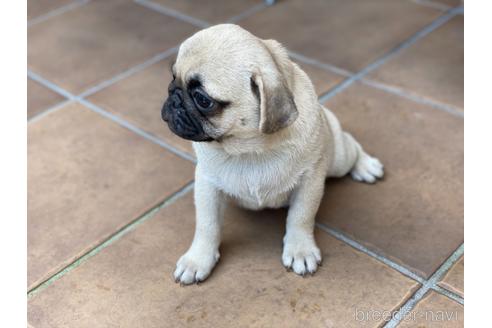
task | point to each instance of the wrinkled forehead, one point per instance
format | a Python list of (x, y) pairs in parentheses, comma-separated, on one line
[(217, 74), (222, 58)]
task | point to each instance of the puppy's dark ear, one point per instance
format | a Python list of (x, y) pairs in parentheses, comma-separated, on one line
[(277, 107)]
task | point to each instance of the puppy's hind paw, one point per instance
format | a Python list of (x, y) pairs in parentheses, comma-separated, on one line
[(367, 169)]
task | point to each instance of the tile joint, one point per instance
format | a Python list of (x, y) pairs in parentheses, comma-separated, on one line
[(149, 214), (358, 246), (430, 284), (49, 110), (248, 12), (328, 67), (381, 86), (115, 118), (413, 97), (432, 4), (171, 12), (133, 70), (56, 12), (436, 23), (351, 78), (350, 75), (162, 9), (129, 72), (450, 294)]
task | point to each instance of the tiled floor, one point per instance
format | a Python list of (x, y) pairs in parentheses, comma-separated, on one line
[(110, 205)]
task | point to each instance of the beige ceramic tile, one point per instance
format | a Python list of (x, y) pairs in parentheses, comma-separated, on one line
[(433, 67), (347, 33), (37, 8), (415, 215), (322, 79), (435, 311), (452, 3), (455, 278), (40, 98), (139, 99), (211, 11), (130, 283), (93, 43), (88, 177)]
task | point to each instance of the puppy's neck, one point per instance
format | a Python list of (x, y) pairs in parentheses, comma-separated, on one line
[(254, 146)]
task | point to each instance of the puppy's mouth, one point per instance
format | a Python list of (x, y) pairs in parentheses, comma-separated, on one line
[(184, 124)]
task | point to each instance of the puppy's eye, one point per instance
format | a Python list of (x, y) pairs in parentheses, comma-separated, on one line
[(201, 99)]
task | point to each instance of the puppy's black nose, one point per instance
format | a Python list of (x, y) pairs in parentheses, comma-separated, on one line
[(177, 98)]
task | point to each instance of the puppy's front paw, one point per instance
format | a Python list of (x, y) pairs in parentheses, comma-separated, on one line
[(367, 169), (195, 266), (301, 254)]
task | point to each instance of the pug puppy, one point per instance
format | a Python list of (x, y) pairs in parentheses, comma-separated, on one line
[(261, 140)]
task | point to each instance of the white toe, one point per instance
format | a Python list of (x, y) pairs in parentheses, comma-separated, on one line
[(188, 277), (311, 264), (195, 266), (299, 266), (287, 260), (178, 272), (367, 169), (301, 255)]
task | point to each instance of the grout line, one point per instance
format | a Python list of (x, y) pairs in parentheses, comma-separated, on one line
[(171, 12), (432, 4), (351, 76), (444, 268), (111, 239), (390, 54), (391, 89), (111, 116), (431, 284), (137, 130), (195, 21), (319, 64), (50, 85), (49, 110), (414, 97), (56, 12), (118, 77), (422, 291), (248, 12), (340, 236), (334, 69), (381, 86), (338, 88), (455, 297), (163, 55), (135, 69)]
